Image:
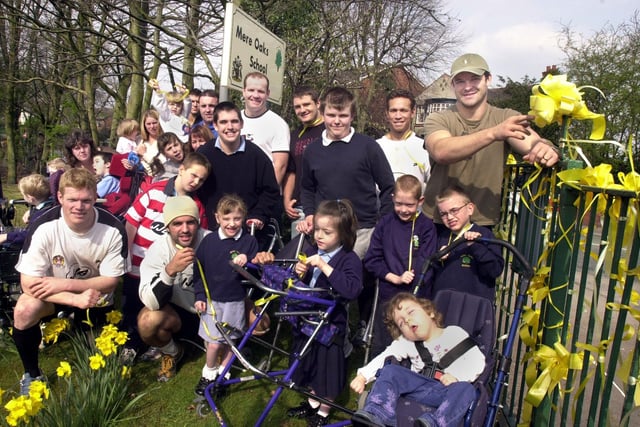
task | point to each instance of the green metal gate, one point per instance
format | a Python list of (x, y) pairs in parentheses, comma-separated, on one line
[(576, 362)]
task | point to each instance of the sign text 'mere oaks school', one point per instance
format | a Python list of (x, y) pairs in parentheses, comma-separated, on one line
[(259, 46)]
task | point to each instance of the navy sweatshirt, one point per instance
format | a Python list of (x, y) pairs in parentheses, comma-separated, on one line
[(348, 171)]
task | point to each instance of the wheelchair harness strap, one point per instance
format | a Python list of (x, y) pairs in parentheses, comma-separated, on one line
[(435, 370)]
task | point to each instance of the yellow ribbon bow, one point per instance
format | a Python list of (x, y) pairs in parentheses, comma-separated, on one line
[(555, 98), (555, 364)]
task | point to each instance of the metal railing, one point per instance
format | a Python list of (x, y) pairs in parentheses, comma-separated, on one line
[(582, 304)]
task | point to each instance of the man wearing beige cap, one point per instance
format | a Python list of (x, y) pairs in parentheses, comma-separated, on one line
[(470, 142), (166, 283)]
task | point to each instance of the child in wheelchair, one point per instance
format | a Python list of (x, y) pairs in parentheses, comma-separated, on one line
[(443, 364), (36, 193)]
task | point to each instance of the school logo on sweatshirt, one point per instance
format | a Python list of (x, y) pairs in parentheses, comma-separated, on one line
[(465, 261)]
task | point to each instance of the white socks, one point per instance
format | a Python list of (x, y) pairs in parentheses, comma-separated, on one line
[(210, 373), (171, 349)]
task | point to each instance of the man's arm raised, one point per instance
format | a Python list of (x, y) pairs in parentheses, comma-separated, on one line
[(446, 149)]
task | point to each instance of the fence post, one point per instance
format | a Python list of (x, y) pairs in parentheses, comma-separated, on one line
[(561, 242)]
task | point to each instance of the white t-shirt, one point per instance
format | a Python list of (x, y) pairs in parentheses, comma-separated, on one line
[(52, 249), (153, 275), (465, 368), (125, 145), (407, 157), (268, 131)]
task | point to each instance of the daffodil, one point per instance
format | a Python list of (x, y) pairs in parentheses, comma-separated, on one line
[(96, 362), (17, 408), (39, 389), (105, 345), (53, 329), (21, 408), (64, 370), (126, 371), (114, 317), (121, 338), (109, 331)]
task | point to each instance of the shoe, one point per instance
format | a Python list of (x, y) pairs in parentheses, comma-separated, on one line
[(169, 365), (202, 385), (27, 379), (363, 418), (317, 420), (359, 336), (303, 411), (128, 356), (153, 353)]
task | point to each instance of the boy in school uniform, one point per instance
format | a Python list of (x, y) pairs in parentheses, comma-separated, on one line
[(400, 244), (468, 268)]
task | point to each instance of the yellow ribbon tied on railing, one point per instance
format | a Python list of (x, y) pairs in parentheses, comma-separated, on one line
[(555, 98), (555, 364)]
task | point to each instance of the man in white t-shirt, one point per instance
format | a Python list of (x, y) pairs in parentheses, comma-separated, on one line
[(404, 150), (262, 126), (72, 260)]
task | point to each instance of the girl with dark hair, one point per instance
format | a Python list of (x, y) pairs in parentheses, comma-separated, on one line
[(331, 264)]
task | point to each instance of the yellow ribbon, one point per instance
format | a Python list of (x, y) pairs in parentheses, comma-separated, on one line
[(555, 364), (530, 331), (555, 98)]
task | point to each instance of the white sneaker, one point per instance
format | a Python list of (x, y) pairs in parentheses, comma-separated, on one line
[(128, 356)]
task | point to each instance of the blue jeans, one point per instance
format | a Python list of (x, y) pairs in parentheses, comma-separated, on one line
[(394, 381)]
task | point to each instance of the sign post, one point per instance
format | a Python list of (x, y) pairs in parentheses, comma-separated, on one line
[(248, 47)]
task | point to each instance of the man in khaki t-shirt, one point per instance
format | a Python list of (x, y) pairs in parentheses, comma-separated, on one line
[(469, 143)]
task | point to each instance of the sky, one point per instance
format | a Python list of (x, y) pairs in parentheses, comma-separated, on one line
[(519, 38)]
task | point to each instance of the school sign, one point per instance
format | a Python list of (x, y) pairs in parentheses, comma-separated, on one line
[(249, 47)]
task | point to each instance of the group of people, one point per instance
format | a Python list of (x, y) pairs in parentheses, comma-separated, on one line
[(376, 210)]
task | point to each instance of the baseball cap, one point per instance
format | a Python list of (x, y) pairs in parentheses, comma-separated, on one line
[(179, 206), (471, 63)]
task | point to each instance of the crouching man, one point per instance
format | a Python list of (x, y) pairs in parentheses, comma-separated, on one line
[(166, 284), (72, 259)]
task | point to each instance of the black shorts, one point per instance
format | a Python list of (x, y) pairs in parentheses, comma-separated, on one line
[(190, 324), (97, 315)]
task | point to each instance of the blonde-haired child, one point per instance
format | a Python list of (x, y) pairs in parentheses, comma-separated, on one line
[(128, 136), (35, 191), (174, 108), (55, 169)]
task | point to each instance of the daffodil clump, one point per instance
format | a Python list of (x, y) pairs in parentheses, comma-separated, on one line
[(92, 388), (22, 409)]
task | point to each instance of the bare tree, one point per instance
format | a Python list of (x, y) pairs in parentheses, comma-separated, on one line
[(347, 41), (90, 60), (609, 59)]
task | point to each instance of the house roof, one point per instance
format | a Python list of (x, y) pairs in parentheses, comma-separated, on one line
[(438, 89)]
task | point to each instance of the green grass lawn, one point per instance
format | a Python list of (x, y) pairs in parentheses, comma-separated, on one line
[(172, 403)]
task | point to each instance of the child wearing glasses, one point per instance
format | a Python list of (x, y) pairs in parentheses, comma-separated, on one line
[(401, 242), (469, 268)]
